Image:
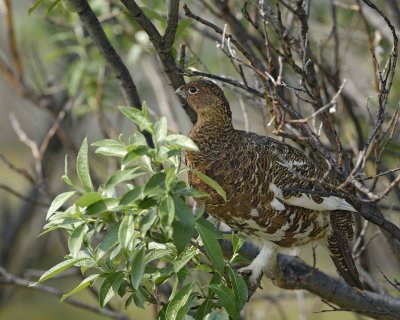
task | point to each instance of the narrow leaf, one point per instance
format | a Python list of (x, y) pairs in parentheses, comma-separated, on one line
[(82, 166), (75, 239), (178, 302), (183, 224), (204, 309), (131, 196), (57, 269), (137, 267), (58, 202), (84, 284), (239, 288), (110, 287), (87, 199), (123, 175), (181, 141), (160, 129), (211, 182), (227, 299), (138, 117), (126, 231), (210, 243)]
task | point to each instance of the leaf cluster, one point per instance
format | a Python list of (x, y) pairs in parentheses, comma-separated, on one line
[(135, 232)]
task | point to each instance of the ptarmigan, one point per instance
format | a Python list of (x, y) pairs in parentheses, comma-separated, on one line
[(254, 171)]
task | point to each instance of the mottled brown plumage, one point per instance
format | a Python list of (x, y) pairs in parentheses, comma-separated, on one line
[(254, 171)]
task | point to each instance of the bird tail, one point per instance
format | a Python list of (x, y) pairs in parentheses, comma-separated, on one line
[(338, 244)]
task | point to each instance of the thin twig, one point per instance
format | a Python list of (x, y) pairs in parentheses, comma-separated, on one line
[(9, 279)]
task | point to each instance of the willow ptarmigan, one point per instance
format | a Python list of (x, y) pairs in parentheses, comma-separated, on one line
[(254, 171)]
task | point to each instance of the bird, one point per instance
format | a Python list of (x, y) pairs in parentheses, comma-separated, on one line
[(261, 177)]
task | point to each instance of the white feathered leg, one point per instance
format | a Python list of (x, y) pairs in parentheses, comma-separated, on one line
[(266, 262)]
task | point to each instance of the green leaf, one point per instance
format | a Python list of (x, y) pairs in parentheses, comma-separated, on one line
[(126, 231), (87, 199), (36, 5), (204, 309), (110, 147), (138, 117), (58, 202), (75, 239), (131, 196), (181, 141), (182, 26), (66, 177), (183, 224), (137, 267), (57, 269), (97, 207), (156, 185), (110, 287), (178, 302), (183, 259), (160, 130), (212, 183), (166, 211), (147, 221), (139, 298), (239, 288), (82, 167), (109, 241), (237, 243), (210, 243), (84, 284), (227, 299), (123, 175)]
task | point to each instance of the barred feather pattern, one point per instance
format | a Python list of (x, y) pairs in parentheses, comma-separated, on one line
[(255, 172)]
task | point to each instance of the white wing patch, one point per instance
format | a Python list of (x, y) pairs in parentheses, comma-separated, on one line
[(277, 205), (304, 201)]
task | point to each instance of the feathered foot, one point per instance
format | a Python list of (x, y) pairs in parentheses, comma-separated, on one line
[(265, 263)]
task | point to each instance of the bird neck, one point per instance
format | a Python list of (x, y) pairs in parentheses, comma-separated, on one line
[(212, 130)]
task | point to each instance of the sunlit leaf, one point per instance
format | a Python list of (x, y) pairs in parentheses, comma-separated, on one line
[(137, 267), (126, 231), (58, 202), (88, 198), (75, 239), (58, 268), (110, 287), (82, 166), (181, 141), (137, 117), (84, 284), (178, 302)]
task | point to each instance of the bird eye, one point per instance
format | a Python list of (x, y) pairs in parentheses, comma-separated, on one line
[(193, 90)]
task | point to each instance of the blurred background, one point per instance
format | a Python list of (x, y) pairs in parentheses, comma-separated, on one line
[(69, 93)]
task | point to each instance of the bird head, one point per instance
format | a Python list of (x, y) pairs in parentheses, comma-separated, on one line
[(206, 99)]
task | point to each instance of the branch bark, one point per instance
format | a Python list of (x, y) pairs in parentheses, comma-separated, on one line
[(163, 45), (97, 34)]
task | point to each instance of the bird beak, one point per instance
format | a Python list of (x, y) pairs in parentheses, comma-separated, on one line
[(180, 92)]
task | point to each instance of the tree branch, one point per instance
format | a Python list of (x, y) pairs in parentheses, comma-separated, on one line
[(98, 36), (164, 52), (7, 278)]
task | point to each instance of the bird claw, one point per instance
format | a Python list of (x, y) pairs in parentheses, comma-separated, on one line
[(254, 279)]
